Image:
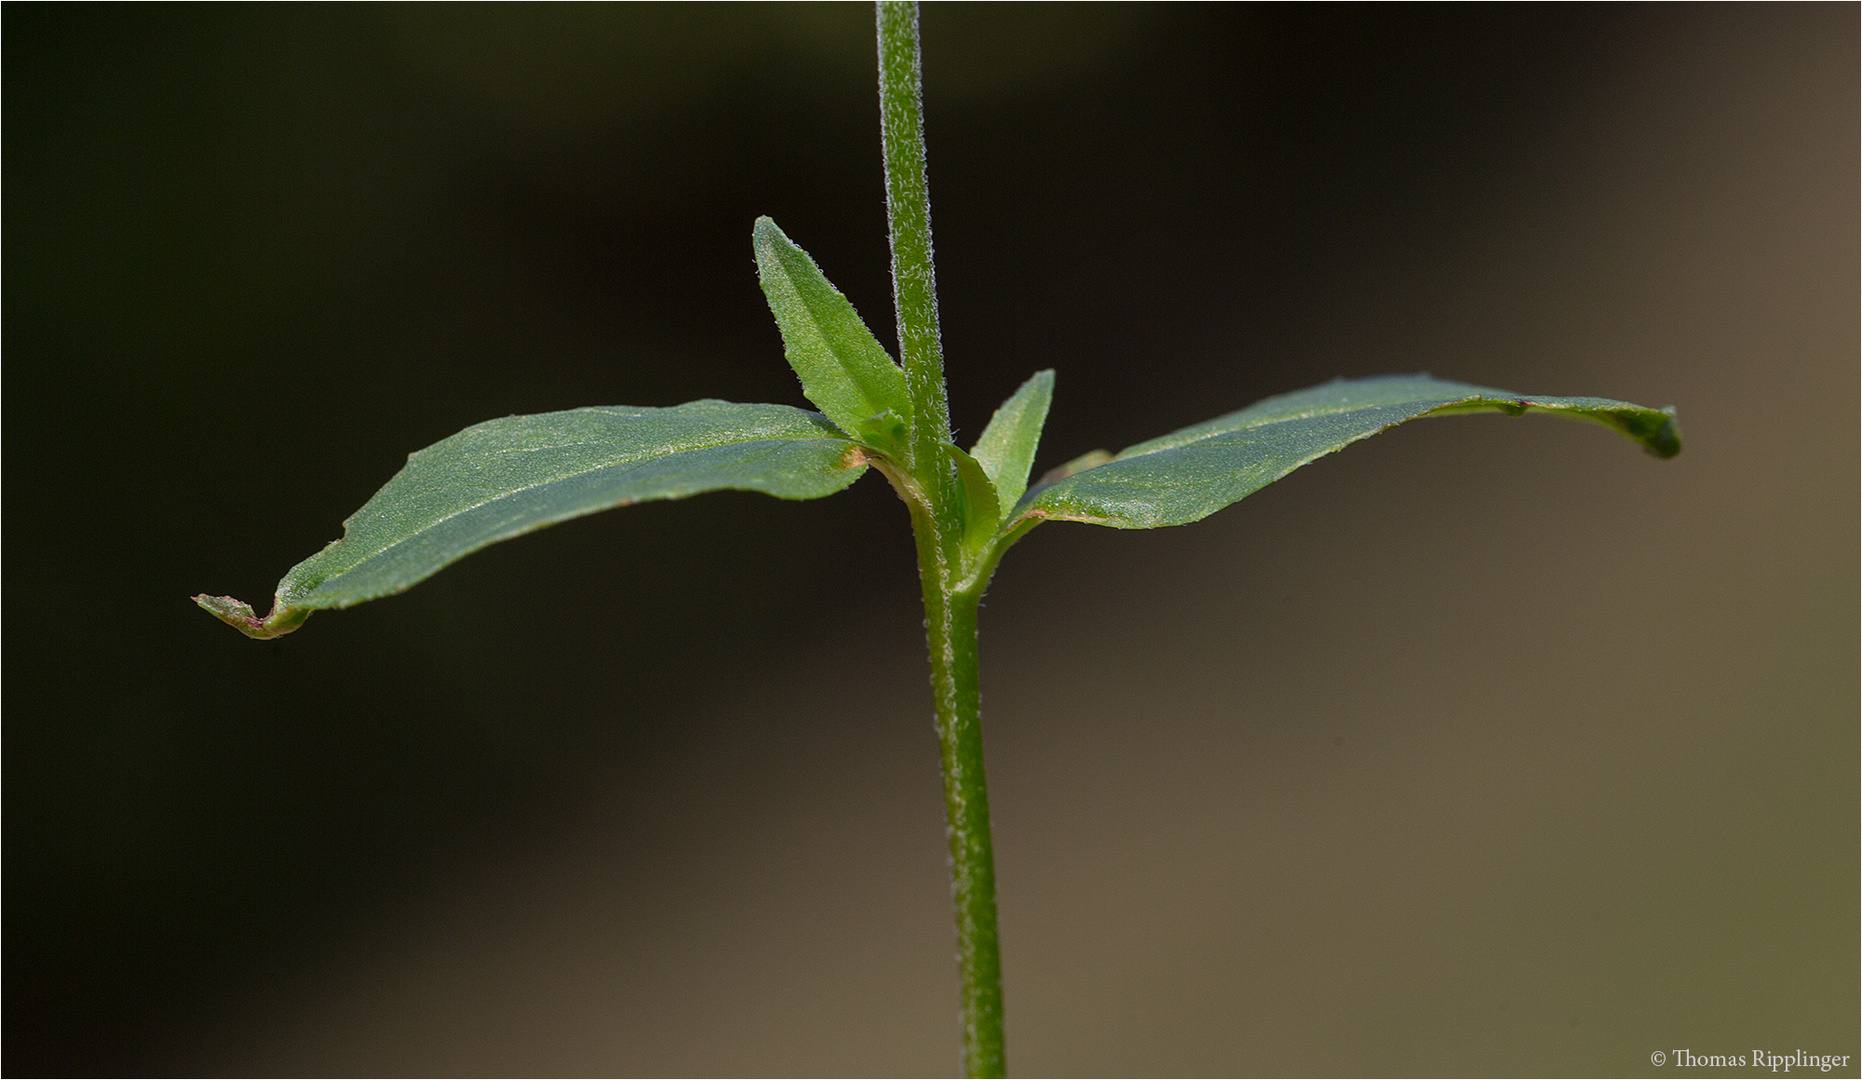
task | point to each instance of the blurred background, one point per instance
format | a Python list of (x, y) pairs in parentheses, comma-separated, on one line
[(1490, 747)]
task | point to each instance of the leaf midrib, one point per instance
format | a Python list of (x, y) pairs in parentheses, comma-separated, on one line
[(627, 465)]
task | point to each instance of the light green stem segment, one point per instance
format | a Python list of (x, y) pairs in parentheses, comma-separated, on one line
[(931, 489)]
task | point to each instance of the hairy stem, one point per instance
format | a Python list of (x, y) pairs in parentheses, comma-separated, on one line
[(930, 487), (951, 626), (908, 211)]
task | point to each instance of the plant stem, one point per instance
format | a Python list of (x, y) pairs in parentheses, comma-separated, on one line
[(929, 486), (951, 627), (908, 212)]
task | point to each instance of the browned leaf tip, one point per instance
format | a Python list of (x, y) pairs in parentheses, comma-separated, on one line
[(239, 615)]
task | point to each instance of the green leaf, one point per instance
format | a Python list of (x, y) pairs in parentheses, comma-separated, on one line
[(844, 369), (981, 508), (507, 477), (1006, 449), (1190, 474)]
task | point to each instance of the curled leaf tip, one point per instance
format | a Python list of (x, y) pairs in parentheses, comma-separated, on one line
[(1665, 442), (239, 615)]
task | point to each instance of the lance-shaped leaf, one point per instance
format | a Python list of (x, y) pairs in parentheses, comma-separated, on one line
[(844, 369), (1006, 448), (507, 477), (1190, 474)]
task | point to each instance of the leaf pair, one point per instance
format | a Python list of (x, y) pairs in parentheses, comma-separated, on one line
[(849, 376), (506, 477)]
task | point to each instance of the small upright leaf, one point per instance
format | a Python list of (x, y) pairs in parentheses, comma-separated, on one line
[(1006, 449), (1190, 474), (982, 509), (844, 369), (511, 476)]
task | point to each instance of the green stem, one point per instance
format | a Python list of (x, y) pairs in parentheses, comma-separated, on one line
[(951, 627), (930, 487), (908, 212)]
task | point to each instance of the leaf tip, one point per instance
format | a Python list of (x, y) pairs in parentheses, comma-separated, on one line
[(1665, 441), (239, 615)]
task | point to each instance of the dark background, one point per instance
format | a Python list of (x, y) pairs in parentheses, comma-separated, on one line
[(1490, 747)]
